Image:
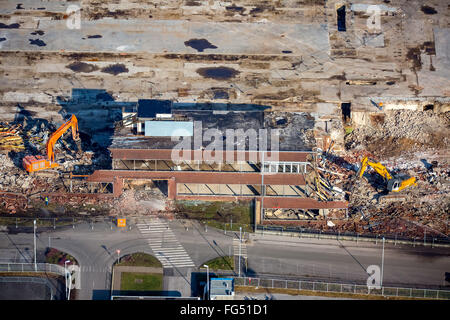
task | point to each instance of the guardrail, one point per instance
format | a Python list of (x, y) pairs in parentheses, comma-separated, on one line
[(30, 267), (352, 236), (342, 288)]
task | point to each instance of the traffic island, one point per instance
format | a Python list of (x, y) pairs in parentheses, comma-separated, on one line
[(138, 274)]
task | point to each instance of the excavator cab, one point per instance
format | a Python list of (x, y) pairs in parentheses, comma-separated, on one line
[(36, 163), (399, 183), (393, 185)]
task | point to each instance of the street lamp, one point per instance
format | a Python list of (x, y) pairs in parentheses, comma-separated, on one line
[(34, 238), (240, 242), (207, 279), (118, 257), (65, 276)]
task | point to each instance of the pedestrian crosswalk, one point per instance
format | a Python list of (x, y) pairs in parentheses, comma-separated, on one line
[(164, 244), (243, 251), (85, 269)]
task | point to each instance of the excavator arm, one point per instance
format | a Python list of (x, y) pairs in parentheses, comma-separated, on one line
[(72, 123), (378, 167)]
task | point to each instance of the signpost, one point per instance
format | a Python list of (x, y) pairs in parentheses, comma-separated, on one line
[(122, 223)]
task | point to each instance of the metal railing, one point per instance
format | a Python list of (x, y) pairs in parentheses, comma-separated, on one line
[(30, 267), (353, 236), (290, 231), (342, 288)]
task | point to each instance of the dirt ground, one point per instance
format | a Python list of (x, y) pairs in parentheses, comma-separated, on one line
[(287, 55)]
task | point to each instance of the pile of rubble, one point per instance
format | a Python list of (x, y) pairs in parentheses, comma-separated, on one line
[(30, 138), (396, 132), (132, 202), (416, 212), (10, 138)]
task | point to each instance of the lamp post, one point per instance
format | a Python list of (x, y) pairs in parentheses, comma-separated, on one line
[(65, 276), (118, 257), (240, 241), (34, 238), (207, 279)]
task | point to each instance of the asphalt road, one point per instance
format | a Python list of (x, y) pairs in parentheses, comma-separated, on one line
[(271, 256)]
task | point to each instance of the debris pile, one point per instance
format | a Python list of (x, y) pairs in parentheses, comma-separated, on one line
[(10, 138), (132, 202), (395, 132)]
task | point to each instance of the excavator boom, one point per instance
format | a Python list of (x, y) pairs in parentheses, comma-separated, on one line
[(378, 167), (36, 163), (72, 123)]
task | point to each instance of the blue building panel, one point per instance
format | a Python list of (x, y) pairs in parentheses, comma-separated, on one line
[(169, 128)]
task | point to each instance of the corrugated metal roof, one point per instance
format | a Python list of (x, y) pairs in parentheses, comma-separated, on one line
[(221, 287), (169, 128)]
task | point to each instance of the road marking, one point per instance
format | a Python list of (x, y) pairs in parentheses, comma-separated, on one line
[(164, 244), (236, 248)]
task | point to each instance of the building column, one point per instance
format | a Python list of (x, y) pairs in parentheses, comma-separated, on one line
[(117, 187), (171, 189)]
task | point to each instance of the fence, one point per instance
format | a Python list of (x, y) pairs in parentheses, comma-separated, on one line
[(353, 236), (342, 288), (30, 267), (53, 223)]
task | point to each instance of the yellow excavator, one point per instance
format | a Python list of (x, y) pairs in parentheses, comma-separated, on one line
[(394, 184)]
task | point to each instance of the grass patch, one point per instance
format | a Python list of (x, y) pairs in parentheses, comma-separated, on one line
[(221, 263), (139, 259), (131, 281), (218, 214)]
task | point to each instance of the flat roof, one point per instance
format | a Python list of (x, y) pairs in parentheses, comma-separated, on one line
[(209, 124)]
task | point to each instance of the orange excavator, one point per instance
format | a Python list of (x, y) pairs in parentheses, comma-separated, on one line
[(37, 163)]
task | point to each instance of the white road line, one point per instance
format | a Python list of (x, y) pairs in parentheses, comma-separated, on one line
[(176, 259), (175, 255), (164, 243), (172, 249)]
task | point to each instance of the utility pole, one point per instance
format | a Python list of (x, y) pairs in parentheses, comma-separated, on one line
[(262, 191), (34, 237), (65, 276), (382, 264), (207, 281), (240, 241)]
